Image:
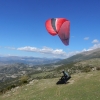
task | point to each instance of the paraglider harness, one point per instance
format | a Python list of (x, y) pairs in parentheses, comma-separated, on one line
[(64, 78)]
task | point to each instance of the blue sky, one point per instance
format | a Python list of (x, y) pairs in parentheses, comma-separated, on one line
[(23, 32)]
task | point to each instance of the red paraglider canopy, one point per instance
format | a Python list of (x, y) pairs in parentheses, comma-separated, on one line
[(64, 32), (60, 26)]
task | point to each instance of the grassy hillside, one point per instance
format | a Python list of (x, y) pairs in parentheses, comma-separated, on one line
[(80, 66), (76, 67), (82, 86)]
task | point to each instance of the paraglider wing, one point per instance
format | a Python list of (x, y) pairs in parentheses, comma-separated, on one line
[(64, 32), (51, 27), (59, 22), (60, 26)]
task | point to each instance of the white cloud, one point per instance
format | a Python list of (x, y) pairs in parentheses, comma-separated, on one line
[(45, 50), (86, 50), (86, 38), (50, 52), (95, 41), (58, 53), (10, 48), (95, 46), (28, 48)]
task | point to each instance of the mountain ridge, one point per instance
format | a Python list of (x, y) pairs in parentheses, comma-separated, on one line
[(86, 55), (27, 60)]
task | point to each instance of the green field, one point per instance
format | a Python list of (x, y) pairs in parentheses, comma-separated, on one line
[(83, 86)]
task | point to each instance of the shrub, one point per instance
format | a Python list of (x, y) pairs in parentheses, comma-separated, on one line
[(86, 69), (11, 86), (98, 68), (24, 79)]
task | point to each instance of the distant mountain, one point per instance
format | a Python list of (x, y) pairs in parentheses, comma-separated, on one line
[(82, 56), (27, 60)]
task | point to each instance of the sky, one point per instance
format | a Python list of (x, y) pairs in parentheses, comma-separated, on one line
[(23, 32)]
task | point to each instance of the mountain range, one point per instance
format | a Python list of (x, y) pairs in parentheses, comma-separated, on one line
[(27, 60), (39, 61)]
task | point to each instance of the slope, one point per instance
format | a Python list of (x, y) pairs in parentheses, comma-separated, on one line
[(83, 86)]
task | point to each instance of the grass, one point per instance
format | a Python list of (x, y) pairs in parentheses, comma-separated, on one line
[(83, 86), (93, 62)]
